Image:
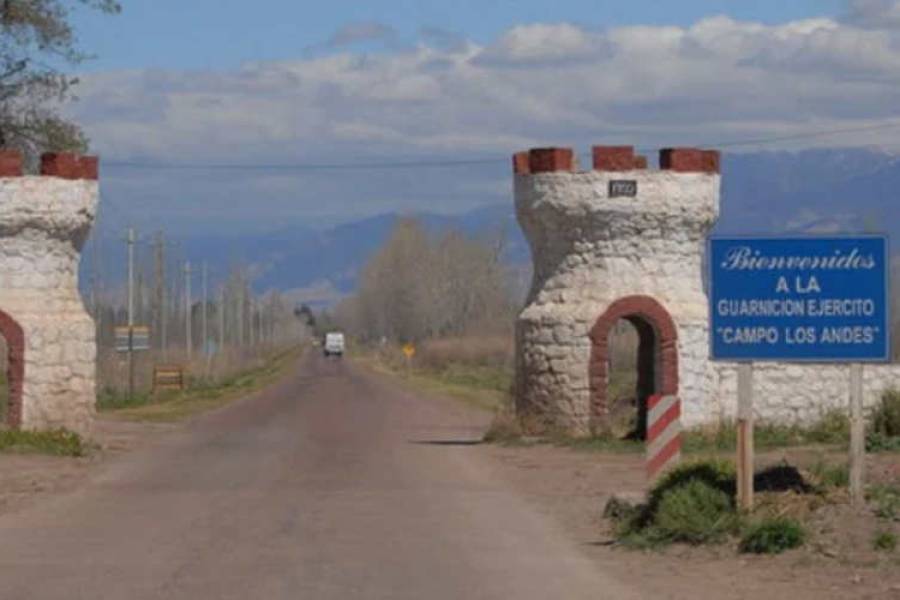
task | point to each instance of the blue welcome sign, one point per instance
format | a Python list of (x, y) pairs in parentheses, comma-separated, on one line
[(799, 299)]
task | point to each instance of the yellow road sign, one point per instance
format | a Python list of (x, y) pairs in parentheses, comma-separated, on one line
[(409, 350)]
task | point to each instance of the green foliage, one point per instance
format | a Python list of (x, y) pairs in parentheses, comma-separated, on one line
[(831, 476), (111, 399), (885, 541), (878, 442), (59, 442), (884, 434), (832, 428), (886, 499), (694, 503), (37, 34), (695, 512), (773, 536)]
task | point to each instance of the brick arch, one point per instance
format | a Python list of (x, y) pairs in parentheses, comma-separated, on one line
[(650, 318), (15, 367)]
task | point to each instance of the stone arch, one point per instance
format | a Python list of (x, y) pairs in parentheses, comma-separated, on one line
[(658, 335), (15, 367)]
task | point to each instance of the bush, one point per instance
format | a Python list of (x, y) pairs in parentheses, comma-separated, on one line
[(886, 419), (773, 536), (695, 513), (885, 541), (694, 503), (831, 476), (832, 428), (887, 502)]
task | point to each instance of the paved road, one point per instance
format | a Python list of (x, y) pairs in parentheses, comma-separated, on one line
[(332, 484)]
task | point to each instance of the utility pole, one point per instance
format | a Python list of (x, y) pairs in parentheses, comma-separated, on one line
[(203, 328), (240, 315), (252, 320), (161, 294), (188, 341), (130, 312), (222, 319)]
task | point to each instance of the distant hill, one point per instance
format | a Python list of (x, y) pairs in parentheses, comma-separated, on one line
[(773, 192)]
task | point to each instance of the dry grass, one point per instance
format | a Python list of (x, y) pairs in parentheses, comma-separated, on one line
[(112, 366), (202, 397), (495, 351)]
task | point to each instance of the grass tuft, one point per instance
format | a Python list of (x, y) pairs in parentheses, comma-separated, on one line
[(694, 504), (59, 442), (884, 541), (773, 536), (886, 499), (695, 513)]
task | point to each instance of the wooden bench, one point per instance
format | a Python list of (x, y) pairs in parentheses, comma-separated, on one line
[(168, 377)]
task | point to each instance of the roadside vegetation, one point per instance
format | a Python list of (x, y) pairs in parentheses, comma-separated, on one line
[(695, 504), (448, 296), (200, 394), (53, 443)]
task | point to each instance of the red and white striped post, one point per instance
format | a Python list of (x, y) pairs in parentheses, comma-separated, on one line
[(663, 433)]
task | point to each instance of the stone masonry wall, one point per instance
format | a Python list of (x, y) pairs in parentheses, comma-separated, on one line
[(599, 258), (590, 251), (44, 222)]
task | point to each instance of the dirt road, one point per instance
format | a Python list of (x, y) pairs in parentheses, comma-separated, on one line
[(330, 484)]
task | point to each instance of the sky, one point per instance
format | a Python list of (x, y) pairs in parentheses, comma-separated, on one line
[(212, 116)]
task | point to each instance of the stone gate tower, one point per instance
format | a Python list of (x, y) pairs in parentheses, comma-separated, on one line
[(617, 242), (50, 337)]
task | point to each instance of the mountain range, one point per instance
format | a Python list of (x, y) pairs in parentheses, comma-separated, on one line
[(813, 191)]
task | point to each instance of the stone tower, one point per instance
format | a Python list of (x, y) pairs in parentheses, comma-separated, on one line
[(620, 241), (44, 222)]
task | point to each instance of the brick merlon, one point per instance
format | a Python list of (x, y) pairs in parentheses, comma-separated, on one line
[(689, 160), (69, 166), (546, 160), (10, 163)]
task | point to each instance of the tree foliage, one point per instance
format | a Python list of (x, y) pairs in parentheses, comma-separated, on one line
[(36, 39), (418, 286)]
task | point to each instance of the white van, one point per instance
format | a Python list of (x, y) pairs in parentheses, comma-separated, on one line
[(334, 344)]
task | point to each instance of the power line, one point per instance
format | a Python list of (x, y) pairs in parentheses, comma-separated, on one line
[(805, 136), (441, 163), (436, 163)]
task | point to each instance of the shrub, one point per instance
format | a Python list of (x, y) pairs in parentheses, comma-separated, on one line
[(831, 476), (59, 442), (695, 513), (694, 503), (505, 427), (885, 541), (886, 419), (773, 536), (832, 428), (887, 502)]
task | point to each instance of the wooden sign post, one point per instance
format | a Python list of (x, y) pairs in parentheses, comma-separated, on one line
[(409, 351), (857, 436), (745, 459), (767, 303)]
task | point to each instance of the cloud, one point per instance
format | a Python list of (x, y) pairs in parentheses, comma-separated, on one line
[(363, 31), (879, 14), (544, 44), (717, 79)]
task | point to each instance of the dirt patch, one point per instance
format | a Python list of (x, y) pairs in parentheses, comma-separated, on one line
[(28, 478), (839, 562)]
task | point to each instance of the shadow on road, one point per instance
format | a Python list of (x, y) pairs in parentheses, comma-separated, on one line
[(447, 442)]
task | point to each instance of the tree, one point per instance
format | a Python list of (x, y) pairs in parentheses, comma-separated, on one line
[(35, 36)]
